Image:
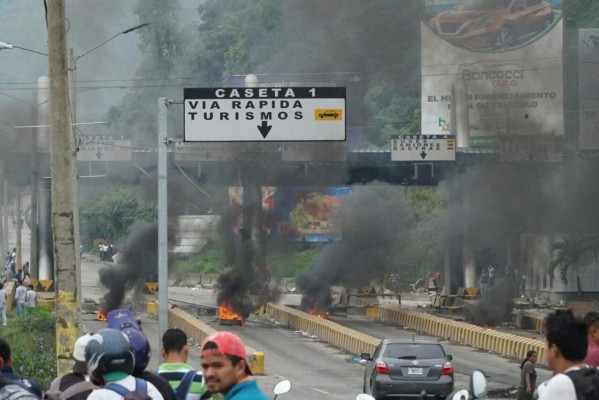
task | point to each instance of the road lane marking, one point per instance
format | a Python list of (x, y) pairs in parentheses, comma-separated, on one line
[(322, 391)]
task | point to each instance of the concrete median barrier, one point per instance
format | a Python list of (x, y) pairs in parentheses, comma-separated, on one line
[(503, 343), (348, 339), (198, 331)]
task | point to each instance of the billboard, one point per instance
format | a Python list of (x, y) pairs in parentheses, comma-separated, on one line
[(295, 213), (588, 91), (492, 69)]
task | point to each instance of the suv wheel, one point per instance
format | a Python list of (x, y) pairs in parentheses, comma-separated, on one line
[(505, 39)]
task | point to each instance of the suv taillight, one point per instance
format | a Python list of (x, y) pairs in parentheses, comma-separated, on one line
[(447, 369), (381, 368)]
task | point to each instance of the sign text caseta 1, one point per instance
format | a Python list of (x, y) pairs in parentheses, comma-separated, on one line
[(204, 103)]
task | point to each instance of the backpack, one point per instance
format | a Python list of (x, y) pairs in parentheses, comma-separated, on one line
[(11, 390), (54, 392), (586, 383), (140, 392), (183, 388)]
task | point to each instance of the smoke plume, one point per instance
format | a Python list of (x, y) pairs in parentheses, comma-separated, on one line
[(374, 221), (495, 307), (137, 264)]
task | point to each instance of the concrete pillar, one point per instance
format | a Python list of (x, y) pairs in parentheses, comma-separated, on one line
[(469, 261)]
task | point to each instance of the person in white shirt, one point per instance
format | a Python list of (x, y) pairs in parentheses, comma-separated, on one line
[(30, 298), (20, 295), (110, 360), (567, 341), (3, 297)]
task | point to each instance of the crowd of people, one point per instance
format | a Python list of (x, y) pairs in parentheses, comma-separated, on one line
[(572, 354), (111, 364), (25, 296)]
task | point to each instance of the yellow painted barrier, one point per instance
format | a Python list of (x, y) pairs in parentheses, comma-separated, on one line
[(347, 339), (152, 308), (503, 343), (198, 331), (45, 284), (152, 287)]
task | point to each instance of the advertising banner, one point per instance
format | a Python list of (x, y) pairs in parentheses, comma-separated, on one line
[(588, 90), (492, 69), (295, 213)]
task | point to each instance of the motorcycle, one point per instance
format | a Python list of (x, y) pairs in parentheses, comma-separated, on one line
[(477, 386), (281, 388)]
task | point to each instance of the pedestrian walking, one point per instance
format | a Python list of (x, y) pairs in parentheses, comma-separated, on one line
[(528, 376), (30, 299), (3, 297), (183, 378), (26, 273), (20, 296), (567, 341), (226, 367), (77, 384)]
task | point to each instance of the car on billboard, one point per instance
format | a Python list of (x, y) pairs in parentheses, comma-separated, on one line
[(492, 25)]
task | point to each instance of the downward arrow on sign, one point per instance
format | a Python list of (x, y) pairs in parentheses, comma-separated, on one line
[(264, 129), (423, 155)]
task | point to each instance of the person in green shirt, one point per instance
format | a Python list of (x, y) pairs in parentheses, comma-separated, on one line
[(175, 351)]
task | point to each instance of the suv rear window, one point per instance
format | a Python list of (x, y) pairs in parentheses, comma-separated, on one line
[(408, 351)]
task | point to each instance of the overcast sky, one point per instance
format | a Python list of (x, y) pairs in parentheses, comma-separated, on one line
[(22, 23)]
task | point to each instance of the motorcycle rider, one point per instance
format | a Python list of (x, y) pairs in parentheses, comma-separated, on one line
[(110, 359)]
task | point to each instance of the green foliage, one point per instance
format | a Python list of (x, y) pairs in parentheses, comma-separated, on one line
[(110, 216), (288, 262), (582, 14), (567, 255), (32, 339), (209, 261)]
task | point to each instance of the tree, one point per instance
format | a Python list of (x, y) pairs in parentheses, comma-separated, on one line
[(110, 216), (568, 254)]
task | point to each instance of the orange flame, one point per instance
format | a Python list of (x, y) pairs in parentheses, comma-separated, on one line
[(319, 314), (101, 315), (226, 312)]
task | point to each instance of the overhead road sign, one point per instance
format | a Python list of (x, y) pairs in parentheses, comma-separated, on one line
[(103, 148), (287, 114), (423, 148)]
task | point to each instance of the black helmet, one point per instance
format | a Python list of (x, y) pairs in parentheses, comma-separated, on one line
[(109, 350), (140, 347)]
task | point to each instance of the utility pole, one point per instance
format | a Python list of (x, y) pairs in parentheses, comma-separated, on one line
[(163, 104), (65, 218), (5, 212), (18, 217)]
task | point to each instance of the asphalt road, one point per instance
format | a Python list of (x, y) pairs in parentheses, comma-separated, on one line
[(316, 369)]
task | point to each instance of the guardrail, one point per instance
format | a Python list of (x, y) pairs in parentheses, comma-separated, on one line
[(348, 339), (198, 331), (505, 344)]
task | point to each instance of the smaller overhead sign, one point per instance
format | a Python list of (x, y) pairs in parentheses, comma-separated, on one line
[(285, 114), (531, 148), (423, 148), (103, 148)]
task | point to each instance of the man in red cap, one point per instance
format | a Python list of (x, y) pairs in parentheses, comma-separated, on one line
[(226, 368)]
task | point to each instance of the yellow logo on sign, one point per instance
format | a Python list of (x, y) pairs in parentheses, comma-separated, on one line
[(328, 114), (450, 144)]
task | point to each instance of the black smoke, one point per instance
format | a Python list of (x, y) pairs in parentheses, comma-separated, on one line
[(494, 307), (374, 221), (137, 264)]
